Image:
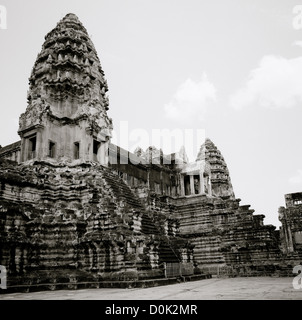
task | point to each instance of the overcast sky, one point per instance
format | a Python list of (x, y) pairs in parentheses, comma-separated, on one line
[(230, 68)]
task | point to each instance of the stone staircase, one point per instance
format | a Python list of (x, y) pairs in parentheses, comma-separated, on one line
[(122, 193), (166, 253), (120, 190), (224, 233)]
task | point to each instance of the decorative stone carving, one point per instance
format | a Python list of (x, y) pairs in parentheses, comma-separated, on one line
[(64, 91)]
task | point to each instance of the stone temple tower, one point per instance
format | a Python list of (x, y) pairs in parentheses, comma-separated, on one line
[(219, 177), (66, 117)]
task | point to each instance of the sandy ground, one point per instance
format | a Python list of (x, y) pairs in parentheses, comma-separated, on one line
[(254, 288)]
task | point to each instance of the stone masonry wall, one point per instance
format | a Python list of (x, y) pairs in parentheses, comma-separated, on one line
[(80, 221), (226, 234)]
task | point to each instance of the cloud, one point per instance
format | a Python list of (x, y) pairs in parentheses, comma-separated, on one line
[(297, 179), (276, 83), (191, 100)]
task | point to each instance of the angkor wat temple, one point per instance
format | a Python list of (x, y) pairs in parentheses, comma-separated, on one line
[(74, 208)]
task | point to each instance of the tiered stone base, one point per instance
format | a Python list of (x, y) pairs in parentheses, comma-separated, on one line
[(74, 280)]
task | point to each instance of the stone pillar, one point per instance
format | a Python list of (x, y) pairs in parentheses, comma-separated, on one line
[(39, 146), (192, 184), (182, 185), (102, 153), (106, 152), (18, 258), (83, 140), (290, 245), (148, 179), (88, 145), (162, 190), (201, 182), (210, 187), (24, 149)]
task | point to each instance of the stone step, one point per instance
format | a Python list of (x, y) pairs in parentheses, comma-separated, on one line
[(148, 283)]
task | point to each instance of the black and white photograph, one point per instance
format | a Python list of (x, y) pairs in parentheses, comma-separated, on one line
[(150, 152)]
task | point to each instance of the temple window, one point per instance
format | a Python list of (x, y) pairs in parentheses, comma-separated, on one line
[(187, 185), (173, 191), (196, 184), (168, 190), (76, 150), (129, 180), (96, 146), (32, 147), (157, 187), (298, 237), (51, 149)]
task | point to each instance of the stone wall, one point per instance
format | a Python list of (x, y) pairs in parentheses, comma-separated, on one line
[(67, 220), (291, 229), (225, 233)]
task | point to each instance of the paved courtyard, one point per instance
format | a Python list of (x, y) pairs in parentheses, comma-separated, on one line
[(254, 288)]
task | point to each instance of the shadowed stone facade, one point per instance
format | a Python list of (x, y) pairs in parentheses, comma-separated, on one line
[(74, 208), (291, 219)]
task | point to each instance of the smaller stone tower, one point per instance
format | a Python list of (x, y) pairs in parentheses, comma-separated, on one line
[(291, 219), (219, 176), (66, 117)]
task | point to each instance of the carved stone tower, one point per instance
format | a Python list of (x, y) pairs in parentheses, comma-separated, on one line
[(66, 117), (219, 177)]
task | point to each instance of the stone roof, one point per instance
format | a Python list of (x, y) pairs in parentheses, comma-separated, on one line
[(68, 65), (220, 178), (11, 147)]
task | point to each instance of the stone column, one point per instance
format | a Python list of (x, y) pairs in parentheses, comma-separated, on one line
[(41, 146), (192, 184), (106, 152), (161, 182), (102, 153), (290, 245), (210, 187), (88, 145), (201, 182), (182, 185), (24, 149), (148, 179)]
